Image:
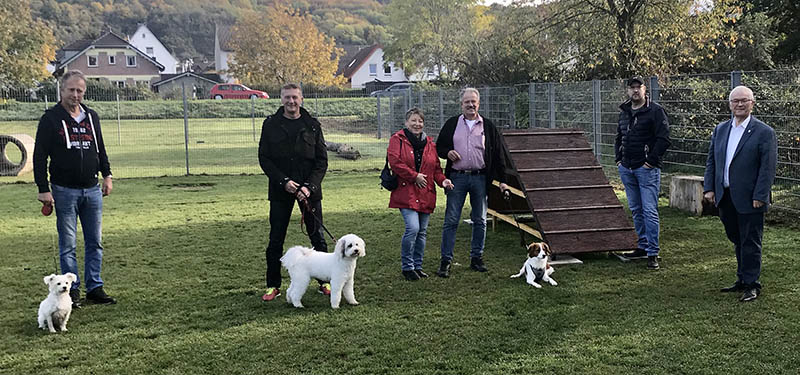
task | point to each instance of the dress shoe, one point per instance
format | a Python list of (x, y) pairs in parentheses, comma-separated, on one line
[(444, 269), (477, 264), (75, 296), (737, 287), (652, 262), (421, 273), (410, 275), (99, 296), (750, 294)]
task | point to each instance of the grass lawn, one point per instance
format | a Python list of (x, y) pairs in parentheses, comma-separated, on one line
[(184, 256)]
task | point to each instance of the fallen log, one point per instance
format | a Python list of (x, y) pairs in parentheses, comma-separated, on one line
[(343, 150)]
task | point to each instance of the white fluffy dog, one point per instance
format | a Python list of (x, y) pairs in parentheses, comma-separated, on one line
[(54, 311), (338, 267), (536, 267)]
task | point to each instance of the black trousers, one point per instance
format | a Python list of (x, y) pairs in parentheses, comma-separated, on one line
[(745, 231), (280, 213)]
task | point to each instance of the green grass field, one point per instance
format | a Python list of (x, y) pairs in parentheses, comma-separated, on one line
[(184, 256), (148, 148)]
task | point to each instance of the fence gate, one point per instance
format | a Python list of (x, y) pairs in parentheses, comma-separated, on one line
[(560, 187)]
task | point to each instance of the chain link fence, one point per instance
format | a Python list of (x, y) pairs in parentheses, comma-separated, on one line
[(147, 136)]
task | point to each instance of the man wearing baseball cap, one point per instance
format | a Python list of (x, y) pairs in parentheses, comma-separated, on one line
[(642, 139)]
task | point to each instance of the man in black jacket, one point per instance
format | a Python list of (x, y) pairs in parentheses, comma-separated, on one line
[(642, 139), (292, 154), (475, 157), (69, 135)]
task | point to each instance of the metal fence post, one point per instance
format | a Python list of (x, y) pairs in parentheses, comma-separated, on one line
[(655, 89), (185, 126), (253, 116), (441, 109), (596, 118), (551, 88), (378, 97), (513, 107), (736, 78), (391, 114), (420, 104), (119, 125), (532, 105)]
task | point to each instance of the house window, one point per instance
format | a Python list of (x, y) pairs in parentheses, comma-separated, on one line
[(112, 60), (131, 60), (373, 69), (120, 84), (150, 51), (387, 70), (92, 61)]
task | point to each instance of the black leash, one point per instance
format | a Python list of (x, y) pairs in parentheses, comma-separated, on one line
[(507, 198), (306, 207)]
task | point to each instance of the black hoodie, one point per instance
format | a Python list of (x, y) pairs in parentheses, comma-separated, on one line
[(73, 164)]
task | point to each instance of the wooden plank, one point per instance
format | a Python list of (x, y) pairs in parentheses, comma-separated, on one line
[(586, 219), (550, 150), (545, 141), (562, 159), (572, 243), (560, 178), (558, 199)]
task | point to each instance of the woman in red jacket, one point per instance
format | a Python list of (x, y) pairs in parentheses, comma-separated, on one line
[(412, 157)]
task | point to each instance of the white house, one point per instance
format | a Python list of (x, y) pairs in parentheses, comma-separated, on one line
[(144, 40), (368, 65), (222, 51)]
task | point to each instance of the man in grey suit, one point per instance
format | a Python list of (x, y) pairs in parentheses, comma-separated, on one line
[(739, 173)]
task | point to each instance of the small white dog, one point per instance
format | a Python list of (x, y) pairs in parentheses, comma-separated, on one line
[(536, 267), (54, 311), (338, 267)]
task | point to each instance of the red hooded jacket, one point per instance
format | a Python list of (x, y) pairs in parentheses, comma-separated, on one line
[(401, 160)]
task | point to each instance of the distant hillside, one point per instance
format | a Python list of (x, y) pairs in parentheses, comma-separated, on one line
[(186, 27)]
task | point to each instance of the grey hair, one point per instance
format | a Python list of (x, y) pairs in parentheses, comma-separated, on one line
[(746, 90), (72, 73), (469, 89), (415, 111)]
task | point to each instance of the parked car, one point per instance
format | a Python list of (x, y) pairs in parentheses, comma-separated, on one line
[(235, 91), (395, 89)]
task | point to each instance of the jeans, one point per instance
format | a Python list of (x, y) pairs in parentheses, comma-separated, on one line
[(86, 204), (641, 187), (475, 185), (280, 212), (412, 246)]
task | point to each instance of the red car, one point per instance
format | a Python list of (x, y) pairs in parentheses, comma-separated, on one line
[(235, 91)]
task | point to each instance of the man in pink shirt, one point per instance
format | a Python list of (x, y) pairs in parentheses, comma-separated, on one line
[(475, 157)]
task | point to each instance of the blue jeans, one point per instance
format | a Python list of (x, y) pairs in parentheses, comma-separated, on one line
[(412, 247), (475, 185), (641, 187), (86, 204)]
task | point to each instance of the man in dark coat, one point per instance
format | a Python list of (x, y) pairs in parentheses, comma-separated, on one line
[(292, 154), (739, 174)]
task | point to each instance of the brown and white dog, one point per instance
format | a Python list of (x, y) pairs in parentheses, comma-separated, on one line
[(536, 267)]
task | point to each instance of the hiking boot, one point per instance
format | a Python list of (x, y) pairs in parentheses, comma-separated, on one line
[(75, 295), (410, 275), (325, 289), (636, 254), (271, 294), (477, 264), (444, 269), (652, 262), (99, 296), (421, 274)]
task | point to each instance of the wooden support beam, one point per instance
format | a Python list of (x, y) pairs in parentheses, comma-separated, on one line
[(510, 220), (513, 190)]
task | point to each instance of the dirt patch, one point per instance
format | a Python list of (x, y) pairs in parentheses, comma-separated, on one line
[(200, 186)]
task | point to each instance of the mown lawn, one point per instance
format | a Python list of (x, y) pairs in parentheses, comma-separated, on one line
[(185, 259)]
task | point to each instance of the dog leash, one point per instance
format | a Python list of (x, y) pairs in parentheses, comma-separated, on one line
[(507, 198), (305, 206)]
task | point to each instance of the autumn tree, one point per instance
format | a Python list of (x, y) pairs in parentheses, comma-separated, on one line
[(281, 45), (26, 45)]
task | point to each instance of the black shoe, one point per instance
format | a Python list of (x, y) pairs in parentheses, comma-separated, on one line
[(444, 269), (477, 264), (75, 295), (98, 296), (421, 274), (636, 254), (750, 294), (652, 262), (738, 287), (410, 275)]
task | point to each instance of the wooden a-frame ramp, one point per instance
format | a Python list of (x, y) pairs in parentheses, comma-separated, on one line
[(560, 193)]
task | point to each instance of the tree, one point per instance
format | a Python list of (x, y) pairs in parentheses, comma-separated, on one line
[(26, 45), (285, 48)]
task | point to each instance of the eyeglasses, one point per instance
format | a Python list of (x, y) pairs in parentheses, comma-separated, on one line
[(740, 101)]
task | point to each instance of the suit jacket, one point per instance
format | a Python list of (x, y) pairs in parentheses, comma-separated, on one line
[(752, 169)]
